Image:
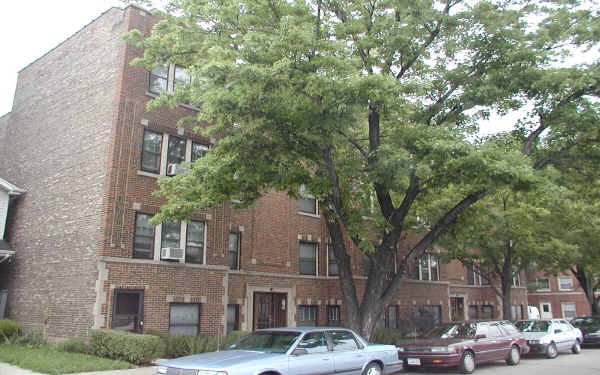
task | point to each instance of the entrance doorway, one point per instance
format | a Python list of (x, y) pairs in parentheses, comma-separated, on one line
[(127, 310), (545, 310), (457, 309), (270, 310)]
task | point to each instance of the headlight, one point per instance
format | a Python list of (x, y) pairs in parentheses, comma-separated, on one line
[(400, 348), (161, 369), (533, 342), (443, 349)]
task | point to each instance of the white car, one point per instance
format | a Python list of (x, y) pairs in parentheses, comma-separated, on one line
[(549, 336)]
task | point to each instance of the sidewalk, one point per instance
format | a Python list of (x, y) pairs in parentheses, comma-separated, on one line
[(6, 369)]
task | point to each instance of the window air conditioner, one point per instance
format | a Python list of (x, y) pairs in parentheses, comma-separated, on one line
[(173, 253), (175, 169)]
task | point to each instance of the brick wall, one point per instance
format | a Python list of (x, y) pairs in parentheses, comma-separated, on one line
[(56, 148)]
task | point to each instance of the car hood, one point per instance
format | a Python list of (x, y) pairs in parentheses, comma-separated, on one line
[(220, 360), (432, 342)]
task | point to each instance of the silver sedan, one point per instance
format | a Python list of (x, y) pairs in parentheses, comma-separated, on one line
[(292, 351), (549, 336)]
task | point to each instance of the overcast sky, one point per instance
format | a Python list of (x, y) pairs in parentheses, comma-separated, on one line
[(30, 28)]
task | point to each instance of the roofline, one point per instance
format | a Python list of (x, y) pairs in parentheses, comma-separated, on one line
[(81, 29)]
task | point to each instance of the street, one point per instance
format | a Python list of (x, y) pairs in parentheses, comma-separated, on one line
[(588, 362)]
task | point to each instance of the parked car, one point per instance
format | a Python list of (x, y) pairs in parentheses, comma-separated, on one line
[(293, 351), (465, 345), (549, 336), (590, 326)]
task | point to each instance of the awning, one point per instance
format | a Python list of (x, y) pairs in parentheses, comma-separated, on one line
[(5, 252)]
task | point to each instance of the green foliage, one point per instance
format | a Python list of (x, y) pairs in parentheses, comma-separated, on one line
[(131, 347), (390, 336), (182, 345), (73, 346), (10, 330), (32, 339)]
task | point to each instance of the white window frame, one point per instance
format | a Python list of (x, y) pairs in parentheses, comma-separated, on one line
[(428, 255), (182, 241), (170, 79), (558, 279), (164, 151), (338, 274), (537, 284), (562, 309), (316, 258), (306, 195), (476, 276), (516, 280)]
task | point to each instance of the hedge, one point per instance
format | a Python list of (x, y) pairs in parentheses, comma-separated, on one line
[(182, 345), (131, 347), (10, 330)]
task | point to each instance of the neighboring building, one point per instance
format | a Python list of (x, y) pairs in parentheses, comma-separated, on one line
[(557, 296), (82, 144)]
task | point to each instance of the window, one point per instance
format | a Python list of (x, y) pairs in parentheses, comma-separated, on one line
[(542, 283), (333, 316), (181, 76), (234, 251), (233, 318), (176, 150), (314, 342), (151, 151), (473, 312), (343, 341), (127, 311), (171, 233), (194, 246), (427, 268), (143, 242), (487, 311), (307, 202), (516, 312), (426, 317), (569, 310), (332, 266), (565, 283), (307, 315), (159, 78), (391, 317), (198, 151), (184, 318), (308, 258), (472, 277), (516, 278)]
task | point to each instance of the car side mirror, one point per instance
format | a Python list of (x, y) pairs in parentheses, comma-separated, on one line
[(299, 351), (558, 331), (480, 336)]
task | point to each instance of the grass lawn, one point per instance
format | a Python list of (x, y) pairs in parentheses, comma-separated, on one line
[(51, 361)]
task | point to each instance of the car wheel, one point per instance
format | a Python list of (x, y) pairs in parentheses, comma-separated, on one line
[(551, 352), (514, 356), (576, 348), (372, 369), (467, 363)]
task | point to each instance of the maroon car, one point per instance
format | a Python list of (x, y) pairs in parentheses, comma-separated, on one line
[(464, 345)]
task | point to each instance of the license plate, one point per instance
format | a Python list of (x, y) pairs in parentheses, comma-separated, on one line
[(413, 361)]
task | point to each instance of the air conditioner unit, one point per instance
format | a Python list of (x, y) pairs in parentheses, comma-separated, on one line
[(173, 253), (175, 169)]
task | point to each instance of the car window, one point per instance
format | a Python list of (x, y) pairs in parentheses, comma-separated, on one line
[(264, 341), (483, 329), (343, 341), (538, 326), (523, 325), (494, 331), (509, 328), (314, 342)]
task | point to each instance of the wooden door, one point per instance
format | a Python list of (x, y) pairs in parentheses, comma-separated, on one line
[(270, 310)]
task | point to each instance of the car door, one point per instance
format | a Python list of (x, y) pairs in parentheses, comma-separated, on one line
[(312, 356), (499, 342), (483, 346), (348, 354), (567, 339)]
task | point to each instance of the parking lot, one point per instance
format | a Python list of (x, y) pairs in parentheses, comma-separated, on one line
[(588, 362)]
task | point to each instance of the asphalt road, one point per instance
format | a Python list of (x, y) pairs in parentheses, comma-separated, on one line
[(586, 363)]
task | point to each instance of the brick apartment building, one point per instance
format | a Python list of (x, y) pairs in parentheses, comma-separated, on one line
[(81, 143)]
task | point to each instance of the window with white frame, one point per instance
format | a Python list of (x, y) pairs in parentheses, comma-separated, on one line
[(569, 310), (307, 315), (307, 203), (473, 278), (333, 316), (194, 245), (151, 151), (198, 151), (516, 277), (175, 151), (332, 266), (170, 234), (178, 150), (542, 283), (234, 251), (565, 283), (184, 318), (427, 268), (167, 77), (143, 242), (308, 258)]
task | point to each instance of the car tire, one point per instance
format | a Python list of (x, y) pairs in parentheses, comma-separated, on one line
[(467, 363), (514, 356), (552, 351), (576, 348), (372, 369)]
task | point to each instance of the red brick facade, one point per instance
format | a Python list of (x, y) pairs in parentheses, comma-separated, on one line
[(74, 142)]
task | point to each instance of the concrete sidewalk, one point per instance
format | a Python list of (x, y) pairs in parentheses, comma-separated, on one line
[(6, 369)]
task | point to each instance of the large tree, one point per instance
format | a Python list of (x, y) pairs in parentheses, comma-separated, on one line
[(354, 99)]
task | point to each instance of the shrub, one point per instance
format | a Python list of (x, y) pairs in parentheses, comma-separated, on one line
[(32, 339), (131, 347), (10, 330), (182, 345), (73, 346)]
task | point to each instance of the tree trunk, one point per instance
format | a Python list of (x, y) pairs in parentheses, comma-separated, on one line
[(506, 300), (586, 283)]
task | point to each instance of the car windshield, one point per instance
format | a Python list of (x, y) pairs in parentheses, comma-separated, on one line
[(266, 342), (452, 331), (533, 326), (586, 323)]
